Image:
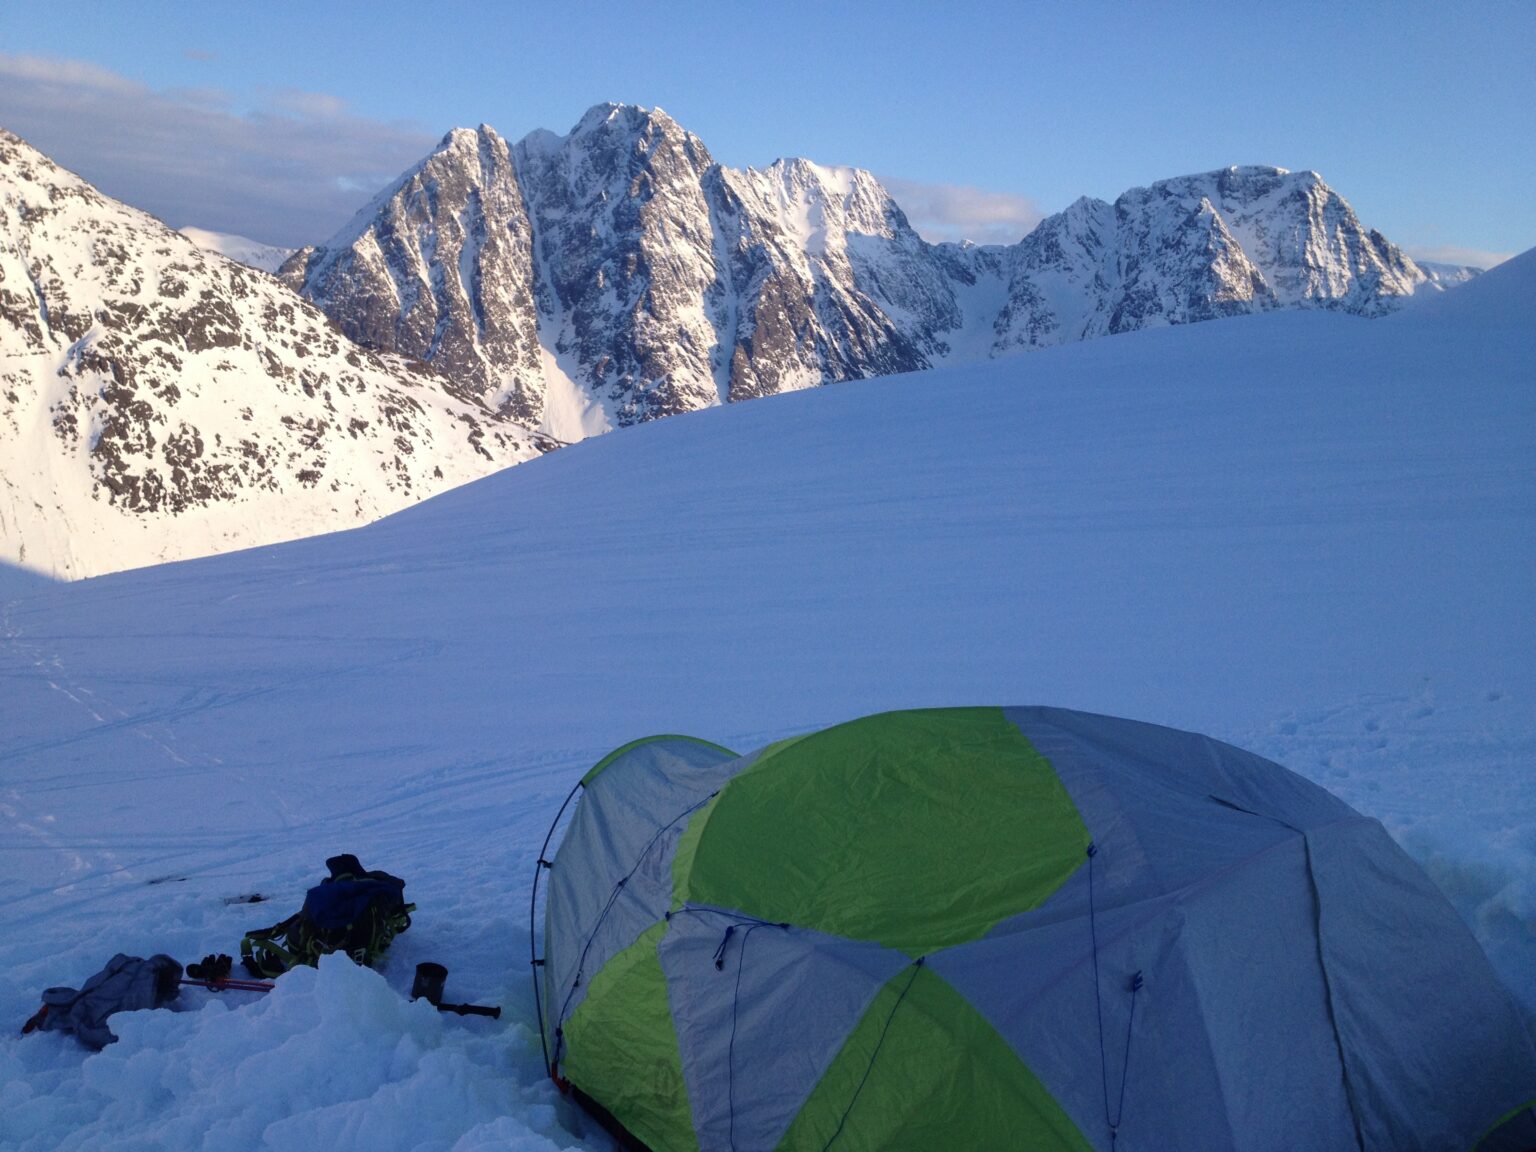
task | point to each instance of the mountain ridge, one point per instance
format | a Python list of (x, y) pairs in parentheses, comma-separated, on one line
[(660, 281), (159, 402)]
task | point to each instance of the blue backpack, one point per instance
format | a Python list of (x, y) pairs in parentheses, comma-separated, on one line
[(353, 911)]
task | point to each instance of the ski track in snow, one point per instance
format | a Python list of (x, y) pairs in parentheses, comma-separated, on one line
[(1308, 535)]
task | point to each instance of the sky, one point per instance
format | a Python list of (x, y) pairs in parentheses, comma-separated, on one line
[(277, 121)]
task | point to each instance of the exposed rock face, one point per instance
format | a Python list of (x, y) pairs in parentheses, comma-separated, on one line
[(440, 267), (1198, 248), (625, 242), (821, 262), (649, 280), (159, 401)]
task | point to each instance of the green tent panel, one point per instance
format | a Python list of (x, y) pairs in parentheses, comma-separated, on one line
[(922, 1070), (915, 852), (622, 1051), (1012, 928)]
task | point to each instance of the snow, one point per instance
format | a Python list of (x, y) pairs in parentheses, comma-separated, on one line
[(1303, 532), (241, 249), (570, 414)]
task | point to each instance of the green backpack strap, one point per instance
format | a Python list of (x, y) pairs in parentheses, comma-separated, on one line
[(386, 926), (263, 956)]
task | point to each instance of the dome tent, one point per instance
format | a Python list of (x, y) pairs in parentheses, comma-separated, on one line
[(1011, 928)]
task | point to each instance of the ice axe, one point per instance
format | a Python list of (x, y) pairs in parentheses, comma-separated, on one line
[(428, 986)]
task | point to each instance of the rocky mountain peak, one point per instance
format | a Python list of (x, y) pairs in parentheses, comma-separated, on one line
[(440, 267)]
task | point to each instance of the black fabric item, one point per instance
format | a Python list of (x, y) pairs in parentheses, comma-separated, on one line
[(126, 984), (345, 864), (213, 968)]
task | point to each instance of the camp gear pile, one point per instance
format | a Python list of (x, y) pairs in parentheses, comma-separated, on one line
[(1009, 928), (353, 911)]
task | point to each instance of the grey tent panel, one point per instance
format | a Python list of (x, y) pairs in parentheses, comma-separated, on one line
[(748, 1071), (1174, 807), (1230, 970), (1392, 945), (1178, 761)]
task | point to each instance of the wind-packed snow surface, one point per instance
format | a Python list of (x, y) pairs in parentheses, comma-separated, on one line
[(1305, 533)]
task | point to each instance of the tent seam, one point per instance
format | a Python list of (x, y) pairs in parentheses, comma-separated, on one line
[(1322, 965)]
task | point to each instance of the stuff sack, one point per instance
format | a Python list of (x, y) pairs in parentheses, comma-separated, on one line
[(126, 984), (353, 911)]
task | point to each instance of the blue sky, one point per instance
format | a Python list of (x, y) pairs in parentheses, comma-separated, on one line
[(278, 119)]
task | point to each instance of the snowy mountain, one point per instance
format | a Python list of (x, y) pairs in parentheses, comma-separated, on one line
[(439, 267), (164, 402), (1447, 275), (241, 249), (1329, 564), (618, 274), (159, 401), (1196, 248)]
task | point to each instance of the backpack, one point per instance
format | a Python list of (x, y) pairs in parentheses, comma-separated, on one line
[(352, 911)]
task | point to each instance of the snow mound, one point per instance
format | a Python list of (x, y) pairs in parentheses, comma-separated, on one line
[(333, 1058), (1502, 297)]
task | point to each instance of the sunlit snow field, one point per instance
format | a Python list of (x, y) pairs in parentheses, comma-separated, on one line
[(1305, 533)]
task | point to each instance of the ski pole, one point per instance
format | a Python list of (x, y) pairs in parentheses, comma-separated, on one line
[(238, 985)]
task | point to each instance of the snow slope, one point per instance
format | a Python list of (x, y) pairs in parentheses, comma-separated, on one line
[(241, 249), (1303, 532)]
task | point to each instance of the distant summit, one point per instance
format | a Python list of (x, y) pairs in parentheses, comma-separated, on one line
[(241, 249)]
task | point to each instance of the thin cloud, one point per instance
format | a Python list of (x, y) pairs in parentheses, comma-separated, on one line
[(202, 55), (289, 173), (309, 105), (956, 212), (1452, 254)]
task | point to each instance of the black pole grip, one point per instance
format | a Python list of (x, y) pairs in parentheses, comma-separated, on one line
[(471, 1010)]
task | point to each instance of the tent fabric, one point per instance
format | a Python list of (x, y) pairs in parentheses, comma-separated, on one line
[(1391, 944), (614, 879), (994, 927), (922, 1071), (913, 852), (627, 1011), (744, 1095)]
